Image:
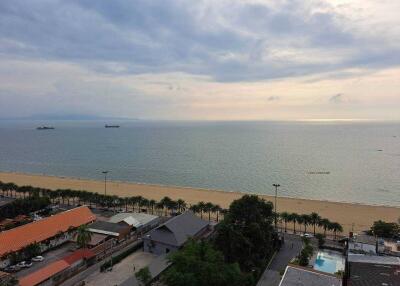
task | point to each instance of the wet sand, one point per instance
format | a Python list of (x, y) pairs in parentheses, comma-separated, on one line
[(351, 216)]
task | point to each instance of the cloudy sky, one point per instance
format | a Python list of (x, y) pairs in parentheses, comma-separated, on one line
[(201, 60)]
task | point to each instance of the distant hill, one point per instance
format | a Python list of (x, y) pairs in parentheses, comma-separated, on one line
[(67, 117)]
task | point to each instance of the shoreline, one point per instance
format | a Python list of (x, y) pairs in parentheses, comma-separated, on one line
[(355, 216)]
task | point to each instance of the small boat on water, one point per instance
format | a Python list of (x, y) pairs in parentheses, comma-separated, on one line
[(111, 126), (45, 128)]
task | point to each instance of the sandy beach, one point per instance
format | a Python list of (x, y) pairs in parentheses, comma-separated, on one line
[(356, 216)]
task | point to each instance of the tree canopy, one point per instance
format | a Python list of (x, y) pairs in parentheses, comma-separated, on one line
[(246, 235), (199, 264), (385, 229)]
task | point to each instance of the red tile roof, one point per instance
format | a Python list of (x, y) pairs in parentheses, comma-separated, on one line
[(38, 231), (78, 255), (44, 273)]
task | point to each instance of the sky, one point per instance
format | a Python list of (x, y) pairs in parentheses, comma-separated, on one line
[(201, 59)]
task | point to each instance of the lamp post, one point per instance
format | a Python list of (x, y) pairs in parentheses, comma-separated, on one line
[(276, 194), (105, 182)]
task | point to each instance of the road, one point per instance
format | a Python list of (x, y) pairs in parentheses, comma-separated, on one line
[(289, 250)]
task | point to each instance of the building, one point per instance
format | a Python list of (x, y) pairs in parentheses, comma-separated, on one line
[(140, 222), (173, 234), (302, 276), (364, 243), (372, 270), (48, 232), (60, 270), (113, 230)]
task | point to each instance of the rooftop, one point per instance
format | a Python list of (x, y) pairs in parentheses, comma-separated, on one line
[(374, 259), (38, 231), (133, 219), (177, 230), (301, 276), (44, 273), (371, 274), (108, 228)]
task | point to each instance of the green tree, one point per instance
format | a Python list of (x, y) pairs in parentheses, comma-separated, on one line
[(83, 236), (285, 217), (246, 234), (385, 229), (199, 264), (315, 220), (143, 275)]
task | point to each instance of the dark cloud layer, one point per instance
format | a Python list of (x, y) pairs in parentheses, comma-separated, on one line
[(228, 41)]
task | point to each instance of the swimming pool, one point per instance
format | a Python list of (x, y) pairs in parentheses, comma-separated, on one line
[(329, 261)]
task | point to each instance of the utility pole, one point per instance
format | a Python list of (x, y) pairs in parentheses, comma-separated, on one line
[(276, 194), (105, 182)]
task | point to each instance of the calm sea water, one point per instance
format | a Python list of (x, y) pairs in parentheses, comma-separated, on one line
[(354, 162)]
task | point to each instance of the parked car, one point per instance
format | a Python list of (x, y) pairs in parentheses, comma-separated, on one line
[(12, 268), (38, 259), (21, 264), (28, 264), (308, 235)]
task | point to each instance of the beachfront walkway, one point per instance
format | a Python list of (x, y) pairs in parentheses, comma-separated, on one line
[(271, 276)]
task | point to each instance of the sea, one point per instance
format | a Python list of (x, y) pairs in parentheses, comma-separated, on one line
[(357, 162)]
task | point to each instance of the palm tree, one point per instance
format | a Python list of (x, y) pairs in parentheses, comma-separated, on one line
[(181, 205), (325, 223), (306, 221), (315, 219), (201, 206), (208, 208), (216, 209), (166, 201), (195, 209), (152, 204), (83, 236), (300, 220), (336, 227), (293, 218), (285, 217)]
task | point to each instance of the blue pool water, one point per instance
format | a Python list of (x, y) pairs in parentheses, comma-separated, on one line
[(328, 261)]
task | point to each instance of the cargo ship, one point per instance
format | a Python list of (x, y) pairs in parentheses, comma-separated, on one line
[(45, 128), (111, 126)]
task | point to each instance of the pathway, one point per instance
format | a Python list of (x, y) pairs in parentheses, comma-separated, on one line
[(290, 249)]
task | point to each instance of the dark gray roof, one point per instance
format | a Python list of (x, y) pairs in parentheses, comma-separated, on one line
[(371, 274), (303, 277), (177, 230), (106, 227)]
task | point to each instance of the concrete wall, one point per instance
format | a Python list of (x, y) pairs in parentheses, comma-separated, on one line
[(368, 248)]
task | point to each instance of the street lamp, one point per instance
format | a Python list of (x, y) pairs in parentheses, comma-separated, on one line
[(276, 194), (105, 182)]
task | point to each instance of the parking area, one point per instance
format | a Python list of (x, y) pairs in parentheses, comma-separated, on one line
[(49, 257)]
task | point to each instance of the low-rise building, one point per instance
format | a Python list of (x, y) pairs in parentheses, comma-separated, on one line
[(302, 276), (372, 270), (60, 270), (48, 232), (173, 234), (364, 243), (140, 222), (110, 229)]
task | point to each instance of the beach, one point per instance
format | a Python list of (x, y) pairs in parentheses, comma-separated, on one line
[(355, 217)]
